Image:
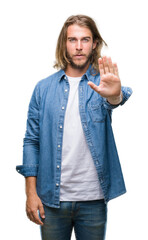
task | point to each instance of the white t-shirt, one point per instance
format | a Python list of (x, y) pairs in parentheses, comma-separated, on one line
[(79, 178)]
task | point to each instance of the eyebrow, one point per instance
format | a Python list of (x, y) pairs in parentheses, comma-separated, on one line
[(81, 38)]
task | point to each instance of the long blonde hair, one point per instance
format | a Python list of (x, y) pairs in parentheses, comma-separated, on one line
[(84, 21)]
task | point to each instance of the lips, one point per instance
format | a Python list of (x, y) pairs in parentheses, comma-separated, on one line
[(79, 56)]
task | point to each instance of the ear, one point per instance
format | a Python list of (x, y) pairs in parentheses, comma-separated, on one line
[(94, 44)]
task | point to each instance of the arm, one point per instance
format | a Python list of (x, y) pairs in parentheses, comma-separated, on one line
[(31, 140), (31, 160)]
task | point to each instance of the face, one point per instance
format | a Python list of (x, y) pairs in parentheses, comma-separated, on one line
[(79, 46)]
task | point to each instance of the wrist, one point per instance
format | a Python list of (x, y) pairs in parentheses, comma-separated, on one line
[(31, 186), (115, 100), (31, 193)]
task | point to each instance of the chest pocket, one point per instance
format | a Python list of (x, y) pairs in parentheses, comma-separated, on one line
[(97, 110)]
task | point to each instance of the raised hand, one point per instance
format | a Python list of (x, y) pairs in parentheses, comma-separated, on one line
[(110, 84)]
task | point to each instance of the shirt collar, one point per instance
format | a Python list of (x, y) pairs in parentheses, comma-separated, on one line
[(88, 75)]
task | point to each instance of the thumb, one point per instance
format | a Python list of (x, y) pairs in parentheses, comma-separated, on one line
[(94, 86), (42, 212)]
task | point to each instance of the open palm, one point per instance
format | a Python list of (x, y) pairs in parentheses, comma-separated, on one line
[(110, 84)]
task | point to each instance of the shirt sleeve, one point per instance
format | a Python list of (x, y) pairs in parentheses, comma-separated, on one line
[(31, 140), (126, 91)]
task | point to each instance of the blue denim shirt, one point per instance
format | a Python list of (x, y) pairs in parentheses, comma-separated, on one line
[(42, 149)]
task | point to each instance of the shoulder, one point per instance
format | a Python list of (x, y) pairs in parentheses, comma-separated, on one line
[(43, 83), (49, 82)]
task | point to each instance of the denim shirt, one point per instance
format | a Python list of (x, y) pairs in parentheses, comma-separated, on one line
[(42, 148)]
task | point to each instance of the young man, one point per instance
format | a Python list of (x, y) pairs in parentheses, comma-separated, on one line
[(70, 161)]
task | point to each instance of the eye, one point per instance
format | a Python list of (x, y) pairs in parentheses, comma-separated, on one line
[(72, 39), (85, 39)]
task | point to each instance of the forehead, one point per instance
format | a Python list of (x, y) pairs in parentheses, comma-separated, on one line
[(78, 31)]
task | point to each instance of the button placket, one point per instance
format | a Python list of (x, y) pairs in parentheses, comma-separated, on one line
[(59, 138)]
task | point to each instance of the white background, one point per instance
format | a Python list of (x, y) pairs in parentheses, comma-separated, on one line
[(29, 31)]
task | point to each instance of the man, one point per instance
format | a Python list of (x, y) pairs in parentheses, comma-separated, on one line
[(70, 161)]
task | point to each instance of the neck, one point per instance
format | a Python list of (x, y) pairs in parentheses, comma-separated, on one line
[(74, 72)]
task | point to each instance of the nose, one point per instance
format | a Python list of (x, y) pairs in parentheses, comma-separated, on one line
[(79, 45)]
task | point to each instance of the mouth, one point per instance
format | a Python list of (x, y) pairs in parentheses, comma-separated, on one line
[(79, 55)]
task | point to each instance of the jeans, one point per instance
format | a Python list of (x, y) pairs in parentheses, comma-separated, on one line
[(88, 218)]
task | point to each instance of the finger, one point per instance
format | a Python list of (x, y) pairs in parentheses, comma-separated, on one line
[(101, 66), (42, 212), (115, 69), (110, 64), (36, 218), (93, 86), (30, 216), (105, 63)]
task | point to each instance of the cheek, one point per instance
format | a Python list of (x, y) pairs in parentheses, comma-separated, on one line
[(88, 48), (70, 48)]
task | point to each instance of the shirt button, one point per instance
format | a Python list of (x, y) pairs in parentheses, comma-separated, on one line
[(96, 162), (60, 126), (66, 90), (57, 184), (59, 146), (101, 180), (63, 108), (58, 166)]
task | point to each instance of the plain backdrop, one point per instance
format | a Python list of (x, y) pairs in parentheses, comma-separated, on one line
[(28, 34)]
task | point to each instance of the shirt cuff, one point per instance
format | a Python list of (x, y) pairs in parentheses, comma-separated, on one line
[(27, 170), (126, 91)]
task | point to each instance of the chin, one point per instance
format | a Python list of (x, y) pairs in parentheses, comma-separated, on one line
[(78, 65)]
